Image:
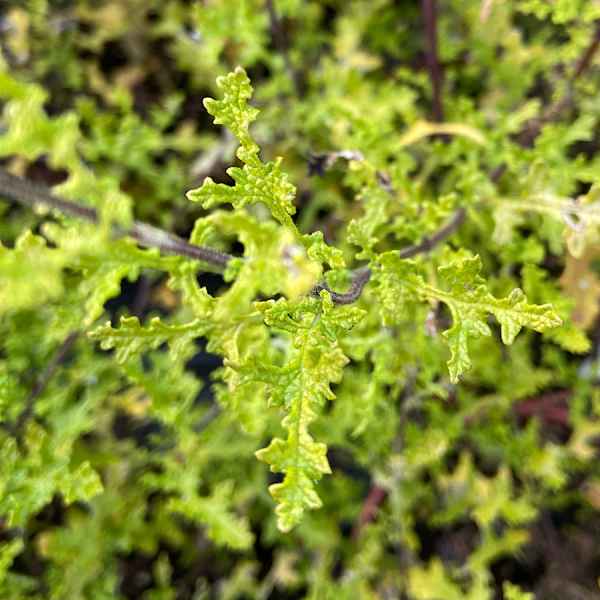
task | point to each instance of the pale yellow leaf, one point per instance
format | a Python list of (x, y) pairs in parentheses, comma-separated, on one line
[(422, 129)]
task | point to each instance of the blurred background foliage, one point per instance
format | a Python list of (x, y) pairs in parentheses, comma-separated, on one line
[(488, 489)]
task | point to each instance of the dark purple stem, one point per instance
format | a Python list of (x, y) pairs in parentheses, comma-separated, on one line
[(360, 278), (430, 15)]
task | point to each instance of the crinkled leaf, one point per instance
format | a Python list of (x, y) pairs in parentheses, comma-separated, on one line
[(233, 109), (469, 301), (214, 512), (83, 484), (196, 297), (301, 387), (131, 338), (362, 231), (104, 262), (256, 181), (274, 262), (30, 273), (29, 482), (321, 252)]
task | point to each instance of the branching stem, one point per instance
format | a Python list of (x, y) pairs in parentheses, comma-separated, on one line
[(360, 277), (33, 194), (533, 128)]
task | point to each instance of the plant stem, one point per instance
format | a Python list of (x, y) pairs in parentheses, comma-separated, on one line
[(35, 195), (429, 9), (370, 508), (429, 243), (533, 128), (32, 194), (361, 276)]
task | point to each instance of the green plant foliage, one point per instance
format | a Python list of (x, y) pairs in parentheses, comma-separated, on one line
[(386, 383), (257, 181), (469, 302), (301, 386)]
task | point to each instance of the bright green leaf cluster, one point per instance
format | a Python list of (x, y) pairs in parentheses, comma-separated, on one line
[(464, 292), (256, 181), (301, 387), (439, 421)]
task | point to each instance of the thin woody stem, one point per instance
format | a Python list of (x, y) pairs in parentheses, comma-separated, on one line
[(35, 195), (533, 128), (429, 9), (361, 276), (585, 61), (429, 243)]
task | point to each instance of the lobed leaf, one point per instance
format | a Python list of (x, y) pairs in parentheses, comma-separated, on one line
[(131, 338), (256, 181), (301, 387), (469, 301)]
